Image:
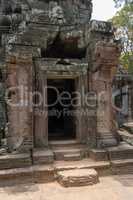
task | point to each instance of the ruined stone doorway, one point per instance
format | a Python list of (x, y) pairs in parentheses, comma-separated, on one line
[(60, 98)]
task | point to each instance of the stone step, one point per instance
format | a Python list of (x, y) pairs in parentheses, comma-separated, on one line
[(77, 177), (82, 164), (72, 157), (64, 143), (43, 156), (129, 127), (102, 167), (122, 166), (122, 162), (98, 154), (60, 153), (68, 150), (32, 174), (15, 160), (123, 151), (48, 173), (36, 173), (126, 136)]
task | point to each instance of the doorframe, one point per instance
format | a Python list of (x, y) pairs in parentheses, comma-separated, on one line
[(81, 81)]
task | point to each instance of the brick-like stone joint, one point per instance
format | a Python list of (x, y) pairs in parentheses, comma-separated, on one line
[(19, 86), (104, 52)]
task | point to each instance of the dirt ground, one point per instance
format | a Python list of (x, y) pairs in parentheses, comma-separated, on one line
[(109, 188)]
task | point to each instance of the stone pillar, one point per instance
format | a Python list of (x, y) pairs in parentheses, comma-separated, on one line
[(19, 102), (106, 130), (81, 110), (41, 112), (103, 58)]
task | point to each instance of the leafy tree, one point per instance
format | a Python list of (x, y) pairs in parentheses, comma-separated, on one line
[(123, 21), (119, 3)]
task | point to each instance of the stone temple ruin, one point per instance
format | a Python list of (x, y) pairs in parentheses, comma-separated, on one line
[(49, 48)]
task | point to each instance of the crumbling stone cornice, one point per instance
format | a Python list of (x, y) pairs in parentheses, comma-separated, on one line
[(103, 49)]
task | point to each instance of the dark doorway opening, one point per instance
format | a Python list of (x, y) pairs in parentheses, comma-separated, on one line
[(61, 120)]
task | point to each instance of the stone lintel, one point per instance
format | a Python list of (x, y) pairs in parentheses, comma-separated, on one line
[(52, 65)]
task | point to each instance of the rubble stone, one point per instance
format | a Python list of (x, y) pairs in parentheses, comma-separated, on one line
[(77, 177)]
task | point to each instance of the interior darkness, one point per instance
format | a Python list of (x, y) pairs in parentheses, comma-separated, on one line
[(59, 48), (63, 126)]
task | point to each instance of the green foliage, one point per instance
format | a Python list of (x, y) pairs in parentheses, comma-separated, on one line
[(126, 60), (119, 3), (123, 21)]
